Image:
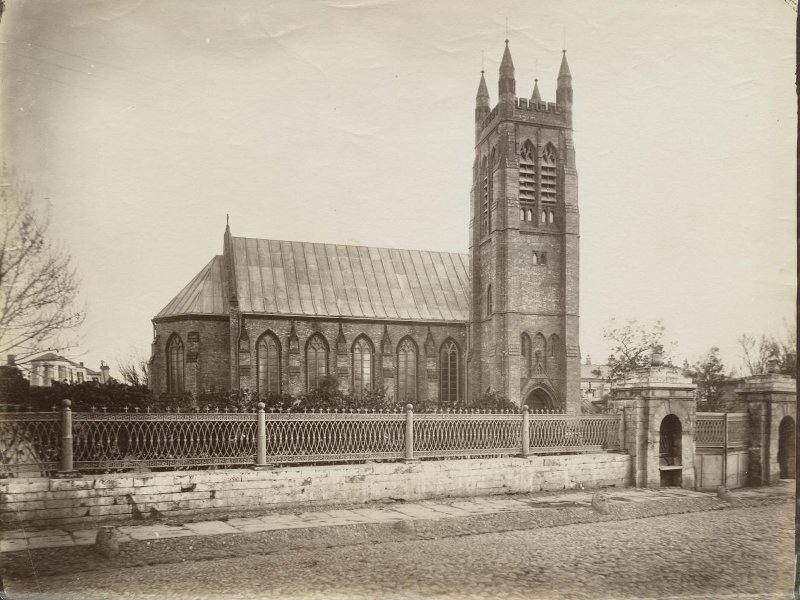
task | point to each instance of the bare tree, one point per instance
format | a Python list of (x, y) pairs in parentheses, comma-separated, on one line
[(134, 369), (756, 353), (38, 284), (632, 347)]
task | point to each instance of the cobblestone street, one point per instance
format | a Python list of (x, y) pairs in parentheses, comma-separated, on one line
[(736, 552)]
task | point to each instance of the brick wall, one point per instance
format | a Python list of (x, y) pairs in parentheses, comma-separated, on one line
[(61, 501), (206, 355), (214, 352), (384, 338)]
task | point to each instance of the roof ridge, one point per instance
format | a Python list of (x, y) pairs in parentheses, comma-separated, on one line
[(243, 237)]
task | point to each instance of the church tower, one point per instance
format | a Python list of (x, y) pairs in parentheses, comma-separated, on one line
[(524, 246)]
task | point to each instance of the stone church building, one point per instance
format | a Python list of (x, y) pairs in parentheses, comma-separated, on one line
[(278, 316)]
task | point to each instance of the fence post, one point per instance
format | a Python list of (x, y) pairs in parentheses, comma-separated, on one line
[(261, 438), (526, 432), (622, 431), (725, 450), (67, 468), (409, 457)]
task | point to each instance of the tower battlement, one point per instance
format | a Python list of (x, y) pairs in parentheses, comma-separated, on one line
[(539, 106)]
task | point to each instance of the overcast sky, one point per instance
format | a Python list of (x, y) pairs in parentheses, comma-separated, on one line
[(145, 121)]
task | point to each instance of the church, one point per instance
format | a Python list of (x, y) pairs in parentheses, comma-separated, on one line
[(276, 316)]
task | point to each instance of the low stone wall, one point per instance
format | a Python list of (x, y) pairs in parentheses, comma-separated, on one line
[(39, 501), (708, 468)]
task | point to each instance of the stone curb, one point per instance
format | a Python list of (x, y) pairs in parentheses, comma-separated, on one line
[(26, 564)]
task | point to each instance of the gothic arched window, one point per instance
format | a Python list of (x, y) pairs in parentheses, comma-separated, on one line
[(175, 378), (555, 351), (538, 350), (484, 193), (362, 366), (316, 361), (268, 365), (448, 373), (549, 174), (527, 176), (406, 371), (525, 353)]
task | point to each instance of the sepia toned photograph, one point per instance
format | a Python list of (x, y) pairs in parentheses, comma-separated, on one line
[(396, 299)]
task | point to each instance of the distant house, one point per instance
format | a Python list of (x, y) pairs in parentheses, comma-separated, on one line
[(594, 381), (49, 367)]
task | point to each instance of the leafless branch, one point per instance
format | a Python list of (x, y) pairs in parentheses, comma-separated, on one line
[(38, 283)]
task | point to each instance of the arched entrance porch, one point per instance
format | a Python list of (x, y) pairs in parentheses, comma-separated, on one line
[(786, 448), (540, 398), (669, 452)]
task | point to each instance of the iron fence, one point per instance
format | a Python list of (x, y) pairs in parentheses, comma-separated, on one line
[(712, 430), (29, 442), (63, 441), (103, 440)]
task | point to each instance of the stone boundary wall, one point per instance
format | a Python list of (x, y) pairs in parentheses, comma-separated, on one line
[(44, 502)]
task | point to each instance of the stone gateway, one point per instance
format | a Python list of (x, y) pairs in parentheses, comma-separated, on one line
[(276, 316)]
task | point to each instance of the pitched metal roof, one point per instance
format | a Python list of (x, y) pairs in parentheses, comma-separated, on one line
[(309, 279), (328, 280), (203, 295)]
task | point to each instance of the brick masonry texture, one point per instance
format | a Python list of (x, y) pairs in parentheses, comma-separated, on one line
[(40, 502)]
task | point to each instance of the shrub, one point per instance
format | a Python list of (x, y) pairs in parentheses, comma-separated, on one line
[(494, 402)]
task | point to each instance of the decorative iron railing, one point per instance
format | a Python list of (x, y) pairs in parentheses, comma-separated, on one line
[(118, 441), (710, 430), (162, 440), (30, 442), (555, 434), (331, 437), (473, 434)]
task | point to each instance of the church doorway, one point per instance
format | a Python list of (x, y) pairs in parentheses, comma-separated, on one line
[(539, 399), (786, 449), (669, 452)]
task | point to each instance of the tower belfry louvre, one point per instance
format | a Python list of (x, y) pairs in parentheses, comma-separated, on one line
[(279, 317)]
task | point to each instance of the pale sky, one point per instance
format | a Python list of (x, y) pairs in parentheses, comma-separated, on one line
[(145, 121)]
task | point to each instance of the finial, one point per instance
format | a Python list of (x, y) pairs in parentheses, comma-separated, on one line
[(227, 219)]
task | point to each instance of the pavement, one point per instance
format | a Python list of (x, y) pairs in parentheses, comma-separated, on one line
[(744, 551), (622, 503)]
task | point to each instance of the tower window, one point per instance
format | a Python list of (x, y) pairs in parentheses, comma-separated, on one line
[(525, 352), (527, 180), (549, 174), (550, 217), (539, 258), (484, 198), (489, 308), (544, 216)]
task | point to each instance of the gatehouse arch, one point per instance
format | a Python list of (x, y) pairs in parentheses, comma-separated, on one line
[(787, 433), (669, 451)]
